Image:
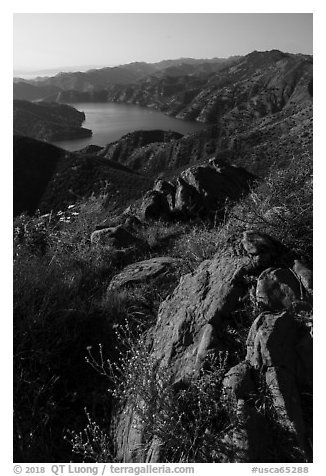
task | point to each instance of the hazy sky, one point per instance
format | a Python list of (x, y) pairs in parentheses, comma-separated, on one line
[(58, 40)]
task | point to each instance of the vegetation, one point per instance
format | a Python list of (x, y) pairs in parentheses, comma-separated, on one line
[(62, 310)]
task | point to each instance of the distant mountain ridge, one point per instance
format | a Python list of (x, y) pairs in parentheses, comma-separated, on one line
[(95, 79)]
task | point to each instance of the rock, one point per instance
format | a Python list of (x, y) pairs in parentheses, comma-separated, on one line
[(261, 247), (215, 184), (287, 402), (239, 381), (188, 329), (190, 319), (118, 237), (154, 206), (304, 274), (304, 361), (187, 200), (168, 189), (129, 436), (199, 191), (270, 341), (278, 348), (250, 439), (144, 271), (278, 289), (132, 222)]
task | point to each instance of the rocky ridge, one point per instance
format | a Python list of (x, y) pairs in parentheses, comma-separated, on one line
[(191, 325)]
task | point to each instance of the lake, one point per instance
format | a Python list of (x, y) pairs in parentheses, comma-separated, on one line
[(110, 121)]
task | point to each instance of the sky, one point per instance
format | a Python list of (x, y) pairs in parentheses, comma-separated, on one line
[(62, 41)]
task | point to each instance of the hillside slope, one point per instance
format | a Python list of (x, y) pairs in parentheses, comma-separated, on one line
[(48, 178), (256, 85), (48, 121), (260, 107)]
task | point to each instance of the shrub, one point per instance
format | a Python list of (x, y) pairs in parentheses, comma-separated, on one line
[(188, 422), (281, 206), (92, 443), (59, 281)]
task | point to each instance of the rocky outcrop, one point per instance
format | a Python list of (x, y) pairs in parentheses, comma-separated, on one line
[(153, 270), (279, 350), (191, 326), (117, 237), (200, 191), (191, 320)]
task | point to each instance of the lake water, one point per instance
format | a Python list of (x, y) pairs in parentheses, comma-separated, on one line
[(110, 121)]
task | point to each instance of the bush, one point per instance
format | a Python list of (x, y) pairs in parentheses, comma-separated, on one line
[(59, 284), (187, 422), (282, 206)]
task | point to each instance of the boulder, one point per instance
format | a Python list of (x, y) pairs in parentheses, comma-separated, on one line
[(278, 289), (129, 436), (239, 381), (216, 183), (189, 321), (260, 247), (117, 237), (168, 189), (304, 274), (286, 402), (250, 440), (279, 346), (271, 340), (154, 206), (187, 200), (144, 271), (132, 222)]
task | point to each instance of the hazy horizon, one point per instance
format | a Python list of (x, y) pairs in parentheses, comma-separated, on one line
[(54, 42)]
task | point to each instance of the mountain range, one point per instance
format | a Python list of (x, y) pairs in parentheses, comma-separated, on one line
[(258, 110), (97, 79)]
